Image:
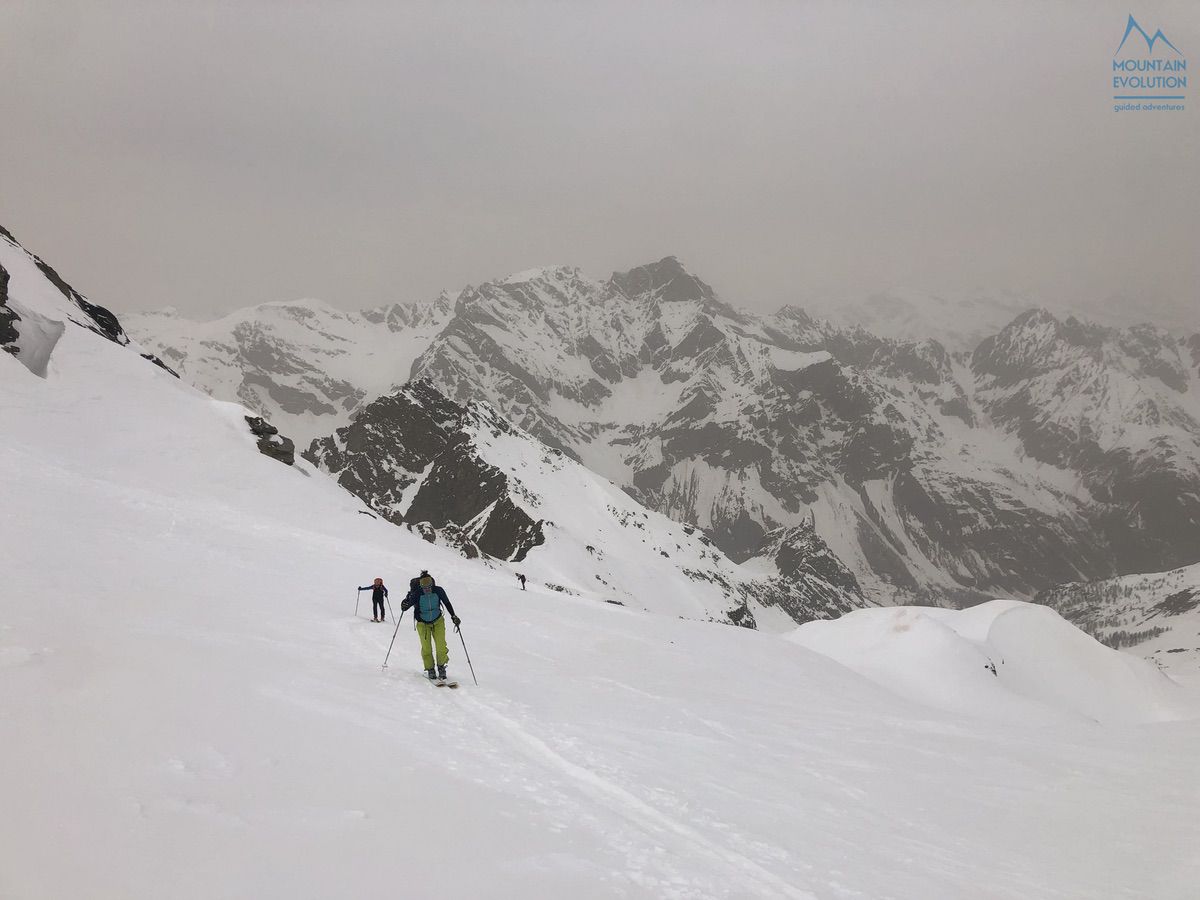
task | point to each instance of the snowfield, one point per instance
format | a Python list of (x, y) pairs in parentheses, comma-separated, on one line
[(189, 707), (1004, 660)]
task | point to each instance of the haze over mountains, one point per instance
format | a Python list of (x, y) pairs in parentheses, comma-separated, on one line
[(1056, 451)]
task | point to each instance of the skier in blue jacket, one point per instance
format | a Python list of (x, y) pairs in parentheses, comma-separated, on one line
[(426, 600)]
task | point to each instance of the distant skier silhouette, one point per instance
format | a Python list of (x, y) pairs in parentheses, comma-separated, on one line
[(521, 578)]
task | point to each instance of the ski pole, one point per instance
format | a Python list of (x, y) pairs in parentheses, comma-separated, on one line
[(389, 653), (357, 597), (467, 655), (390, 611)]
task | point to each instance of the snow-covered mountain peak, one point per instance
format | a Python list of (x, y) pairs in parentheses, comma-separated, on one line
[(796, 314), (400, 317), (665, 280), (542, 273)]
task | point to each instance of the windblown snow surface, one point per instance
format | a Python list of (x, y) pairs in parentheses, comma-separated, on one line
[(189, 708)]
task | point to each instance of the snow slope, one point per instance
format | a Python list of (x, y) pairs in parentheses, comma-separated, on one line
[(1003, 659), (191, 710), (468, 477)]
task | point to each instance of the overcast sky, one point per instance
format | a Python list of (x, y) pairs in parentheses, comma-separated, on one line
[(212, 156)]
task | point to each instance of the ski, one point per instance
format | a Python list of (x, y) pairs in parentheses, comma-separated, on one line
[(446, 684)]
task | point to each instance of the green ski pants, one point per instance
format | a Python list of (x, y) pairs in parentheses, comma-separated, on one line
[(431, 633)]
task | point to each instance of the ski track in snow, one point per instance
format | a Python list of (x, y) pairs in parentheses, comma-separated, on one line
[(657, 837), (641, 814)]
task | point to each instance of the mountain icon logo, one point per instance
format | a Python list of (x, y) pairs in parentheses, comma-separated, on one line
[(1133, 26)]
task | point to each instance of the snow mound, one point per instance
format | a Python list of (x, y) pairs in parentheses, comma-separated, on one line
[(1004, 659), (38, 336)]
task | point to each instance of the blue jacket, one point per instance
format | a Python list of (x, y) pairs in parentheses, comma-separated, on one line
[(431, 610)]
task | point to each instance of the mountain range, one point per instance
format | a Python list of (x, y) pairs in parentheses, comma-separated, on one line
[(1056, 451)]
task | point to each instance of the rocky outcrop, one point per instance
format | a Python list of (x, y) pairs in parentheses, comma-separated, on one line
[(101, 320), (412, 458), (8, 318), (34, 342), (270, 442)]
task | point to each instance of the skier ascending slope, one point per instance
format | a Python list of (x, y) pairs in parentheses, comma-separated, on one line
[(378, 596), (427, 600)]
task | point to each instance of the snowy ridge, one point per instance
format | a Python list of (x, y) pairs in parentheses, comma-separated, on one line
[(1004, 659), (303, 364), (958, 323), (36, 305)]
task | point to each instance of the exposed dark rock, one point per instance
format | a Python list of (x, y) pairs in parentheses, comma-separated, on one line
[(104, 322), (1179, 603), (150, 357), (874, 449), (270, 442), (959, 408), (288, 398), (262, 355), (418, 439), (702, 337), (8, 318), (666, 279), (736, 533)]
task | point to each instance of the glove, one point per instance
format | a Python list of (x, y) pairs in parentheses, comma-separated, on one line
[(456, 620), (405, 604)]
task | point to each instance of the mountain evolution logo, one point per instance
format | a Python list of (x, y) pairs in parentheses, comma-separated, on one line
[(1133, 26), (1160, 81)]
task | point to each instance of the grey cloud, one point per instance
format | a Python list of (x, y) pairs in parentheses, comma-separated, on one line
[(218, 155)]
